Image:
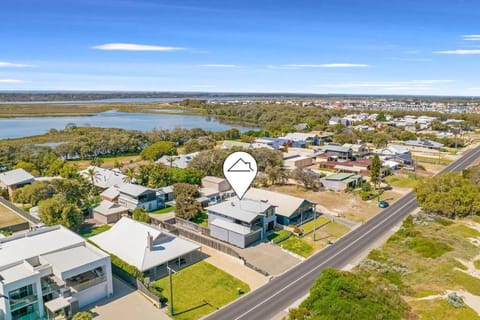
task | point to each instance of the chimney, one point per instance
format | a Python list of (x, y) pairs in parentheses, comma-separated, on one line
[(149, 241)]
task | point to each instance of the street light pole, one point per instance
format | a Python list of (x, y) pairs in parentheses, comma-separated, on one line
[(170, 270)]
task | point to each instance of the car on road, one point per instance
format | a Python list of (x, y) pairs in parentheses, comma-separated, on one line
[(383, 204)]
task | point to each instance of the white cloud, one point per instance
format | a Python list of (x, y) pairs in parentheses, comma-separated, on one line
[(216, 65), (11, 81), (4, 64), (327, 65), (471, 37), (135, 47), (459, 51), (396, 85)]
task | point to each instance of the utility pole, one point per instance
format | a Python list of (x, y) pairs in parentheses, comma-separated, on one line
[(170, 270)]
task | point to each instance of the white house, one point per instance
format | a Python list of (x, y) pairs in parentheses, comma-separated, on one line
[(179, 161), (50, 271), (103, 178), (147, 248)]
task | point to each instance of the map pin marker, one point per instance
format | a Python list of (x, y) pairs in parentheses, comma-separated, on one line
[(240, 168)]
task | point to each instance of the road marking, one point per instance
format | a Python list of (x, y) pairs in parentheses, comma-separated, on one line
[(326, 261), (452, 167)]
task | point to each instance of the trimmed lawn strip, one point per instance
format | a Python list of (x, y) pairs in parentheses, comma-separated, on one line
[(94, 231), (163, 210), (200, 289), (309, 226), (8, 218), (297, 245)]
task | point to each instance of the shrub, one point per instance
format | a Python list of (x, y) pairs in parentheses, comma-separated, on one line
[(455, 300), (140, 215), (128, 268), (82, 316), (428, 248)]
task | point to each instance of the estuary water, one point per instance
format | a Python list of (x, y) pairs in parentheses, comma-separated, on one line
[(29, 126)]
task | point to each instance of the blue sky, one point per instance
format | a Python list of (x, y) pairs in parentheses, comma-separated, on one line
[(341, 46)]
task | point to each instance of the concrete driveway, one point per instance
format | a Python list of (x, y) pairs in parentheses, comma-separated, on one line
[(269, 257), (126, 303)]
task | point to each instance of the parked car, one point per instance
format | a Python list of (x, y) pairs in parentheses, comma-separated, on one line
[(383, 204)]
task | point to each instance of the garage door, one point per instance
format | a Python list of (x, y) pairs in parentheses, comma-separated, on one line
[(92, 294)]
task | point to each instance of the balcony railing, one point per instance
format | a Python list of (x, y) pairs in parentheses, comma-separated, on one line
[(80, 286), (30, 316), (18, 303)]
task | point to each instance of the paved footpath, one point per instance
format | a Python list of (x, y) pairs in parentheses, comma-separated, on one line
[(234, 267)]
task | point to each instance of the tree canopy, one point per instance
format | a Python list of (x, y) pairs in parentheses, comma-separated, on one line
[(57, 210), (187, 207), (155, 151), (451, 195)]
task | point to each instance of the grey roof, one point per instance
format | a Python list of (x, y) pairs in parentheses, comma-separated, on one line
[(133, 190), (237, 228), (111, 193), (245, 210), (300, 136), (72, 258), (107, 208), (335, 148), (167, 189), (127, 239), (286, 205), (424, 143), (15, 177), (179, 161)]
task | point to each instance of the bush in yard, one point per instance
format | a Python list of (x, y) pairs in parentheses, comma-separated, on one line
[(140, 215), (82, 316), (128, 268), (158, 149)]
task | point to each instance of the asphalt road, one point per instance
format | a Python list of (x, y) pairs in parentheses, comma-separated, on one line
[(282, 291)]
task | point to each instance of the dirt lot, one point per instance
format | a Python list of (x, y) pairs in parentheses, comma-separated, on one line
[(8, 218), (346, 205)]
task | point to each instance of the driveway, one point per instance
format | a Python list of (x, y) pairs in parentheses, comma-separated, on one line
[(269, 257), (126, 303)]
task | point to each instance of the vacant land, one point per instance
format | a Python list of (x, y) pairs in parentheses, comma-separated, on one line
[(401, 181), (422, 260), (8, 218), (347, 205), (201, 289), (109, 162)]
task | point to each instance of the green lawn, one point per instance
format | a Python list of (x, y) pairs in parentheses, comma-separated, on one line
[(401, 182), (297, 245), (94, 231), (163, 210), (309, 226), (201, 219), (336, 229), (278, 234), (200, 289)]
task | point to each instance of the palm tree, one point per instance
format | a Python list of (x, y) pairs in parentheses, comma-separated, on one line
[(170, 160), (92, 174), (129, 175)]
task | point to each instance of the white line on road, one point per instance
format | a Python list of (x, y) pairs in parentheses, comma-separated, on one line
[(326, 261)]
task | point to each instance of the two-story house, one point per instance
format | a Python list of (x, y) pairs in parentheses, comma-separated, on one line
[(134, 196), (241, 222), (49, 272)]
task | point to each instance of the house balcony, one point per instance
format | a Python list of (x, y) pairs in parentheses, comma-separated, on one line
[(85, 281), (30, 316), (16, 304)]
